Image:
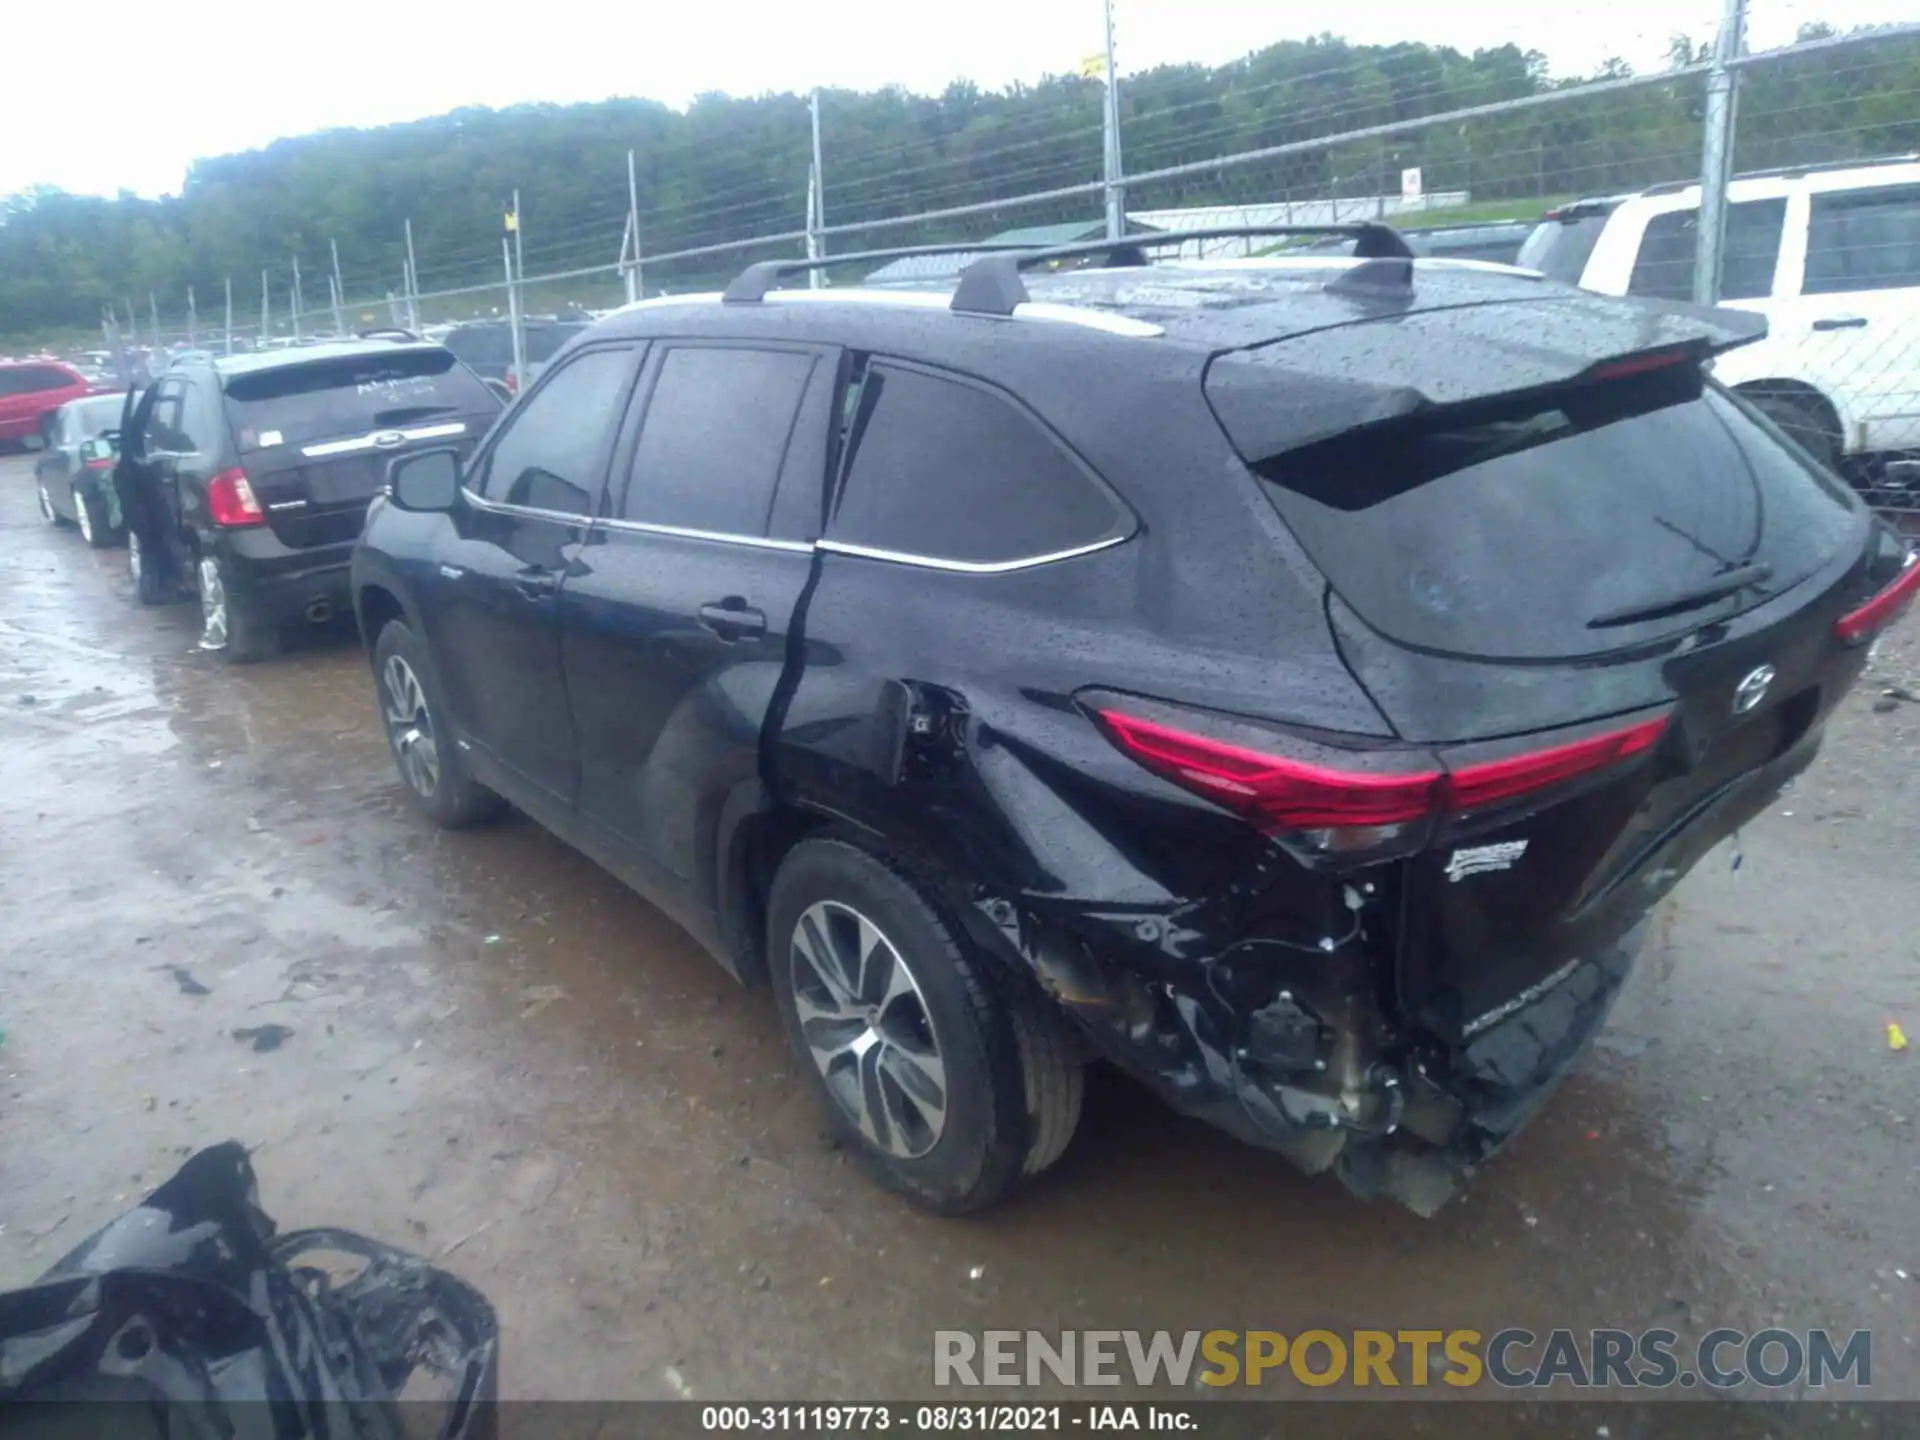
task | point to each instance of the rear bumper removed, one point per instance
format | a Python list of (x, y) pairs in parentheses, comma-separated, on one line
[(1283, 1040), (281, 584)]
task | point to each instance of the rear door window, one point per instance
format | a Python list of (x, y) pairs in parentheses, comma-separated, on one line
[(343, 396), (1506, 528), (1663, 270), (1863, 240), (949, 472), (715, 438), (553, 447)]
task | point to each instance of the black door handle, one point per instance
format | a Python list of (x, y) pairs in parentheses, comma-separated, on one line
[(1842, 322), (733, 619), (536, 582)]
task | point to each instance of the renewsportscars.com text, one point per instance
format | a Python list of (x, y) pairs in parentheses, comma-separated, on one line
[(1512, 1359)]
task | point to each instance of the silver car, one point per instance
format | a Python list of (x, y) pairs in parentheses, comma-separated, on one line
[(74, 471)]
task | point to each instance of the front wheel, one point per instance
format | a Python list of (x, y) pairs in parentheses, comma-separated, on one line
[(419, 735), (47, 512), (949, 1081), (89, 515), (148, 572)]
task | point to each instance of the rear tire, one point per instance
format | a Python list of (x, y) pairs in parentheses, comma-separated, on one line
[(240, 634), (47, 512), (420, 735), (878, 994)]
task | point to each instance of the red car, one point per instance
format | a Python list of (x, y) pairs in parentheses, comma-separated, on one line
[(30, 390)]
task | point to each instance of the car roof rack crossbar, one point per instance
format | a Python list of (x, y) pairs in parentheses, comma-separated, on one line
[(753, 283), (992, 284)]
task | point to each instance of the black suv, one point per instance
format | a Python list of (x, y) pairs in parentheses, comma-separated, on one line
[(247, 478), (1293, 680)]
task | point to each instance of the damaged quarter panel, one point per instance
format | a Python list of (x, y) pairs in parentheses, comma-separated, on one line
[(940, 707)]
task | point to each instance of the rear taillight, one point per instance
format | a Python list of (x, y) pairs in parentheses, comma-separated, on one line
[(230, 500), (1492, 782), (1371, 804), (1857, 626), (103, 463)]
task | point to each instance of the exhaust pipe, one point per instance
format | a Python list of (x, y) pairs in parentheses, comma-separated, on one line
[(319, 612)]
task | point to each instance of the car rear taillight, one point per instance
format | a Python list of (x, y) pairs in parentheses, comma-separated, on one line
[(230, 500), (1857, 626), (101, 463), (1474, 787), (1367, 804)]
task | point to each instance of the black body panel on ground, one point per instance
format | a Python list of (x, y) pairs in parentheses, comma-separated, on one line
[(1051, 613)]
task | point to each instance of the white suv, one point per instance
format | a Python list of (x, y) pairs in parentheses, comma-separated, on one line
[(1829, 254)]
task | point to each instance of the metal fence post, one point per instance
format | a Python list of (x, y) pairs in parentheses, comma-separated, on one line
[(229, 315), (296, 300), (266, 310), (816, 200), (513, 318), (632, 274), (1115, 176), (193, 321), (153, 315), (413, 283), (1716, 152), (338, 290)]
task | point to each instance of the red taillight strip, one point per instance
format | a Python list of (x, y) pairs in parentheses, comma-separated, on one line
[(1638, 364), (1857, 625), (230, 500), (1288, 793), (1472, 787), (1292, 794)]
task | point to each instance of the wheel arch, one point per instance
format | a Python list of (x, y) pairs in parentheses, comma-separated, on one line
[(376, 606), (1823, 404)]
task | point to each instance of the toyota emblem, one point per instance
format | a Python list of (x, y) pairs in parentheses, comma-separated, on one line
[(387, 439), (1752, 690)]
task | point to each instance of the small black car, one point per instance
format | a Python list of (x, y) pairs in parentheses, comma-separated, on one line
[(247, 478), (74, 470), (1294, 680)]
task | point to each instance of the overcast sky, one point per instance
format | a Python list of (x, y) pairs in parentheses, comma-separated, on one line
[(109, 94)]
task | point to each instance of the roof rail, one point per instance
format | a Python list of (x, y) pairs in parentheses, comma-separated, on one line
[(992, 284), (1790, 172), (753, 283), (386, 332)]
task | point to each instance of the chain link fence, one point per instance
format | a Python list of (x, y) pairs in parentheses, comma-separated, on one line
[(1415, 136)]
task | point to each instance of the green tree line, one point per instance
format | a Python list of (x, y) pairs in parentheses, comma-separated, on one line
[(729, 167)]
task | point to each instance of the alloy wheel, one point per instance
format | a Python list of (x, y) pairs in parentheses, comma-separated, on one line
[(213, 606), (410, 726), (83, 516), (46, 505), (868, 1029), (133, 555)]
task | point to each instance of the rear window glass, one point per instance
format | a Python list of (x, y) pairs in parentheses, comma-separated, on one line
[(90, 417), (481, 344), (1504, 529), (348, 395)]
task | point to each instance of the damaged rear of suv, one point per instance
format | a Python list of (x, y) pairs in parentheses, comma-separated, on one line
[(1294, 680)]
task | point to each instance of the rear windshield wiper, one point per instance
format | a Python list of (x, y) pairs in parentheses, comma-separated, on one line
[(1718, 588)]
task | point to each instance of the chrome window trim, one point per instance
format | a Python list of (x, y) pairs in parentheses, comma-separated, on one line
[(970, 567), (801, 547), (366, 442), (636, 527), (495, 507), (681, 532)]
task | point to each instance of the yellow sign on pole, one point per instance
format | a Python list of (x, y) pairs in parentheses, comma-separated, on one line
[(513, 221), (1094, 67)]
